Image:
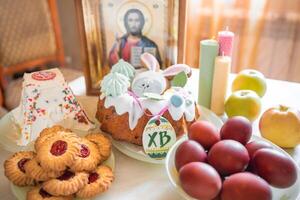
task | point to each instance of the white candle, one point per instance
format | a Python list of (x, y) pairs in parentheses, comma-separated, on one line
[(220, 82)]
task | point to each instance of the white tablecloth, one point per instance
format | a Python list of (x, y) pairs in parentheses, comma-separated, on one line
[(137, 180)]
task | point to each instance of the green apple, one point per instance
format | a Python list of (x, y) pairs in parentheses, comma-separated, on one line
[(250, 79), (243, 103), (281, 125)]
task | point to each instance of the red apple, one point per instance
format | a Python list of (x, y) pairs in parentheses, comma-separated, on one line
[(245, 186), (237, 128), (228, 157), (253, 146), (205, 133), (281, 125), (189, 151), (200, 180), (275, 167)]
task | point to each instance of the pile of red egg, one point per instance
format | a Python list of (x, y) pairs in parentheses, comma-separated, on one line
[(224, 165)]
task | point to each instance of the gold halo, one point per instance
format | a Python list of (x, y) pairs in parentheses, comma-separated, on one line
[(134, 5)]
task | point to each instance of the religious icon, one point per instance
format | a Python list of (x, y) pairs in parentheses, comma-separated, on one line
[(125, 29), (133, 43)]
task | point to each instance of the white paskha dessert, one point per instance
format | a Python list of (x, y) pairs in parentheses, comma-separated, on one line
[(47, 100)]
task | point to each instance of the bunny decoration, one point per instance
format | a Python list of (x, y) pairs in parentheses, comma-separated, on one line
[(154, 80)]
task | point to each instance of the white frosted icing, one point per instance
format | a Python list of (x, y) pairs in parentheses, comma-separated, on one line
[(189, 112), (154, 106), (127, 104), (114, 84), (123, 104), (114, 91), (187, 108), (176, 113)]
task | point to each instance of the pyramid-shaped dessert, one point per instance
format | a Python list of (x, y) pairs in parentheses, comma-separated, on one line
[(47, 100)]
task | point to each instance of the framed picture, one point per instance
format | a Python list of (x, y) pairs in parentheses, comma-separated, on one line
[(111, 30)]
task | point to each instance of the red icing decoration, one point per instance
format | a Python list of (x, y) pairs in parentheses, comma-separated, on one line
[(43, 76), (44, 194), (21, 164), (58, 148), (157, 122), (66, 176), (81, 119), (84, 151), (93, 177)]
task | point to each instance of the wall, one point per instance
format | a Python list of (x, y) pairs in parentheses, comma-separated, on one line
[(70, 34)]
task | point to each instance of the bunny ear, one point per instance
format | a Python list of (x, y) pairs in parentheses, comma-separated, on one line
[(150, 62), (176, 69)]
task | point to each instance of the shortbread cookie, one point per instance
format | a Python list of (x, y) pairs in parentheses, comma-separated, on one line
[(103, 143), (67, 184), (58, 152), (34, 170), (87, 158), (14, 168), (38, 193), (99, 181), (49, 132)]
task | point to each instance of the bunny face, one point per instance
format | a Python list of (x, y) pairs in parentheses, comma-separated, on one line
[(154, 81), (149, 81)]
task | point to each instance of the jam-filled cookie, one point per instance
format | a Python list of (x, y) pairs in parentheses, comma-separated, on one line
[(34, 170), (14, 168), (99, 181), (103, 143), (38, 193), (87, 158), (67, 184), (58, 152), (49, 132)]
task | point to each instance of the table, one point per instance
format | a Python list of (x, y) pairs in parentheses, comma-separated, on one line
[(138, 180)]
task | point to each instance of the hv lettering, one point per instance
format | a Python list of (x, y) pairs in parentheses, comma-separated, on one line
[(159, 139)]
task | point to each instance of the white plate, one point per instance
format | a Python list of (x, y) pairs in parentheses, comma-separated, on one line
[(20, 192), (138, 153), (89, 104), (290, 193)]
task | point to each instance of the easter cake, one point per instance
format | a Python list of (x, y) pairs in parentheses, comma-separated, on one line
[(129, 98)]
